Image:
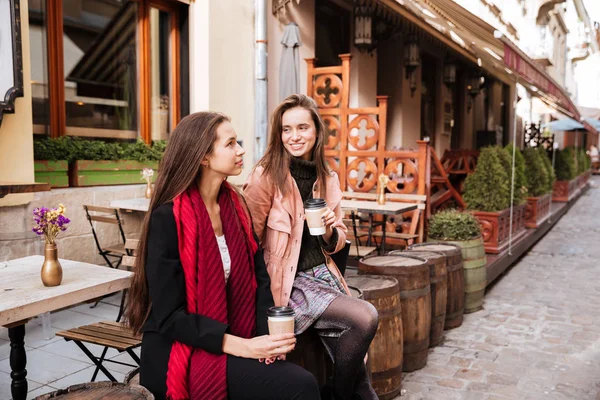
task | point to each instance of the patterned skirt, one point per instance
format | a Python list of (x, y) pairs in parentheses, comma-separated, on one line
[(312, 292)]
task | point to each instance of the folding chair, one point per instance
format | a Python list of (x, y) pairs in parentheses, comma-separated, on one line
[(360, 230), (109, 334), (111, 216)]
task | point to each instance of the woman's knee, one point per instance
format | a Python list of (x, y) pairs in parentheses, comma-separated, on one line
[(366, 318)]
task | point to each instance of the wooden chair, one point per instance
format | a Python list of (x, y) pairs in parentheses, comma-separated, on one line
[(109, 334), (107, 215), (360, 229)]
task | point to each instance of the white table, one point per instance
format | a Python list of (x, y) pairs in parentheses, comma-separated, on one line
[(140, 205), (23, 296), (372, 207)]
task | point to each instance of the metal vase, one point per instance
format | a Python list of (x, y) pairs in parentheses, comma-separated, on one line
[(148, 193), (51, 270)]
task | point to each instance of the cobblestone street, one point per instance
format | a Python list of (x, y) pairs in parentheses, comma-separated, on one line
[(538, 336)]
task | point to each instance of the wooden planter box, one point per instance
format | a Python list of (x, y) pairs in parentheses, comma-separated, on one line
[(537, 210), (56, 173), (496, 225), (96, 173), (564, 191), (586, 177)]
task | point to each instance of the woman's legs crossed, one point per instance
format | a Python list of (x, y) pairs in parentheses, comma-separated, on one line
[(251, 379), (357, 321)]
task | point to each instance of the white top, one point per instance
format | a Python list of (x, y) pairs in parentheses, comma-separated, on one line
[(224, 255)]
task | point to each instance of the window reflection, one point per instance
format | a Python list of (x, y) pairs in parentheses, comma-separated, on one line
[(99, 43), (39, 65)]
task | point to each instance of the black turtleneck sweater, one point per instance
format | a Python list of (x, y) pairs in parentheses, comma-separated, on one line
[(305, 175)]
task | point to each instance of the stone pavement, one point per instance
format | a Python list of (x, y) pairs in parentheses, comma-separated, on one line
[(538, 336)]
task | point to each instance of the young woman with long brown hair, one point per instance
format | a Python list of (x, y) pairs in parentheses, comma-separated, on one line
[(302, 272), (201, 289)]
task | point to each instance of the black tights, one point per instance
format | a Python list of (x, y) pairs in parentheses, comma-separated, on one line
[(357, 321)]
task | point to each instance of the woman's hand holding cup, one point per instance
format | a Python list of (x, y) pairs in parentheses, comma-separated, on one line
[(269, 346), (329, 219)]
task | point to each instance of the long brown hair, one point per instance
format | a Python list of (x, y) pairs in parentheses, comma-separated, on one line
[(191, 141), (276, 160)]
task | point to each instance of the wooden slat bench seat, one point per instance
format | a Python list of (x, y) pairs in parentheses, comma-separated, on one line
[(361, 251), (395, 235), (108, 334)]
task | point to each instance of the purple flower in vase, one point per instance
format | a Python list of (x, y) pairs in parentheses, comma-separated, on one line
[(50, 222)]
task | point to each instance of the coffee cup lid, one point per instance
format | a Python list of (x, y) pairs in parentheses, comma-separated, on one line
[(315, 203), (280, 312)]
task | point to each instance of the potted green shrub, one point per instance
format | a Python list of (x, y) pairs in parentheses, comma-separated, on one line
[(51, 161), (463, 229), (550, 173), (538, 188), (565, 187), (487, 195), (101, 163), (583, 167)]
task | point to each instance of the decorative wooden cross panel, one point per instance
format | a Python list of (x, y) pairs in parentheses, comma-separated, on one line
[(357, 137)]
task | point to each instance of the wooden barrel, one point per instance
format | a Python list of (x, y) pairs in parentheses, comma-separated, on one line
[(356, 292), (415, 294), (100, 390), (455, 304), (474, 260), (439, 291), (385, 352)]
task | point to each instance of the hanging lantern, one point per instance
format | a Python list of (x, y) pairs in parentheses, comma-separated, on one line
[(449, 73), (412, 59), (473, 88), (363, 31), (474, 85)]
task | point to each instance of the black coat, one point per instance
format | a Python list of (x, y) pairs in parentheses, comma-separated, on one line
[(168, 320)]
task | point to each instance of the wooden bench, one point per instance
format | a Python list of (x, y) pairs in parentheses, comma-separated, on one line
[(110, 334)]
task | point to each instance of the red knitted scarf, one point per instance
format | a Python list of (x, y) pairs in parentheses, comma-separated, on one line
[(195, 373)]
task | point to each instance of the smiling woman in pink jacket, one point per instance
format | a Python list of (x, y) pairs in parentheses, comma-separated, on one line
[(302, 272)]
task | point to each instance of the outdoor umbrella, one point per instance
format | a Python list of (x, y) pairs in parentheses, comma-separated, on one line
[(593, 122), (289, 67), (566, 124)]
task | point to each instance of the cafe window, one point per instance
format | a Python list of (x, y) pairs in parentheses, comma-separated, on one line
[(113, 69), (38, 52)]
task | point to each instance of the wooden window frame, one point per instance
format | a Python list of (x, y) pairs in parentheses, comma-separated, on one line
[(56, 93)]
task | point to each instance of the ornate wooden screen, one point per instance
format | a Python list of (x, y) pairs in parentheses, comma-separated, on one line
[(356, 146), (357, 138)]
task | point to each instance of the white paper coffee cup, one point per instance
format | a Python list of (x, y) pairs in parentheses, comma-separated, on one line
[(280, 320), (313, 211)]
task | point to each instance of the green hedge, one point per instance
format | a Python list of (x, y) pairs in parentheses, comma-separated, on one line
[(72, 148), (548, 166), (565, 165), (536, 174), (453, 225), (488, 188), (583, 161)]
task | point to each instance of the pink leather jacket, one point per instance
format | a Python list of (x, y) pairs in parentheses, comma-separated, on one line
[(278, 222)]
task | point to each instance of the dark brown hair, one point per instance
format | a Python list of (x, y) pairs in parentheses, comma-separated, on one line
[(191, 141), (276, 161)]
